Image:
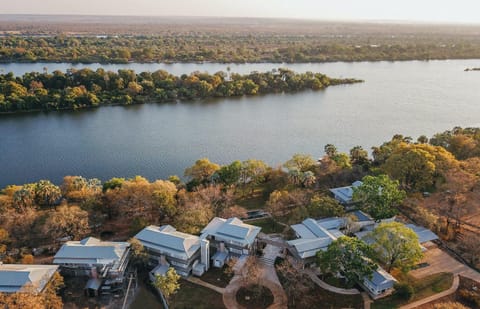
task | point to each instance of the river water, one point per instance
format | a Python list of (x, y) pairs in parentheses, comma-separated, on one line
[(158, 140)]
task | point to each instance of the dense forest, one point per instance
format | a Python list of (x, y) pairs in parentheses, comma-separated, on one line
[(232, 48), (87, 88)]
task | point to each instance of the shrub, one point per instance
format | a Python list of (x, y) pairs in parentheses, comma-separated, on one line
[(404, 291)]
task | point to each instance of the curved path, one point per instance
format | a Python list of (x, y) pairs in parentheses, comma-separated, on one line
[(427, 300), (329, 287), (268, 278)]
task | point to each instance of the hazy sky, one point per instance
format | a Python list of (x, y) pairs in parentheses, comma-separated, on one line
[(464, 11)]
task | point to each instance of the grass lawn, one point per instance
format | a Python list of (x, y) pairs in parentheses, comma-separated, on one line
[(423, 288), (217, 277), (323, 299), (330, 300), (194, 296), (338, 282), (252, 201), (268, 225)]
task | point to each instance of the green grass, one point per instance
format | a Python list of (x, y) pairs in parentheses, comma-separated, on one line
[(217, 277), (337, 282), (194, 296), (330, 300), (322, 299), (256, 201), (423, 288), (268, 225)]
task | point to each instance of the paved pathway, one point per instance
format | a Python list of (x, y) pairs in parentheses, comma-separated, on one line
[(441, 261), (329, 287), (367, 301), (427, 300), (268, 278), (198, 281)]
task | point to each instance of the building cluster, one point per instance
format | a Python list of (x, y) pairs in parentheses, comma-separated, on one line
[(104, 263)]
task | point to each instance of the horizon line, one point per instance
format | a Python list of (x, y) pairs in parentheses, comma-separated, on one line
[(339, 20)]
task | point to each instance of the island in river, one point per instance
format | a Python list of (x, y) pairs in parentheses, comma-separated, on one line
[(87, 88)]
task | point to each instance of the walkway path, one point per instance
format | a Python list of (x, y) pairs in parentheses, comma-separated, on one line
[(268, 278), (440, 261), (198, 281), (367, 301), (427, 300), (329, 287)]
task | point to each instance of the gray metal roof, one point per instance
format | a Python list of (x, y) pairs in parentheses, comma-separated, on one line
[(15, 277), (167, 240), (314, 236), (382, 279), (362, 216), (91, 251), (345, 193), (308, 247), (423, 234), (232, 229)]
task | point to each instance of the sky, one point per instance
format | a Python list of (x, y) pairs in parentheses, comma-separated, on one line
[(458, 11)]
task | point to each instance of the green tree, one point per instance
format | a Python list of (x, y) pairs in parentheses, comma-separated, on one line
[(46, 193), (395, 245), (324, 206), (379, 196), (330, 150), (359, 156), (349, 256), (24, 198), (300, 162), (230, 174), (416, 166), (202, 170), (168, 284), (113, 183)]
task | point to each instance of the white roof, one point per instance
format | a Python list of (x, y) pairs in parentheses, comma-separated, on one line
[(91, 251), (423, 234), (15, 277), (314, 235), (167, 240), (232, 229), (345, 193), (381, 278)]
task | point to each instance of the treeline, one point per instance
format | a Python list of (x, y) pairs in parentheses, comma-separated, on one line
[(240, 48), (87, 88)]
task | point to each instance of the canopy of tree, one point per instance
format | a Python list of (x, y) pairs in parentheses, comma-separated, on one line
[(395, 245), (239, 47), (379, 196), (348, 256), (87, 88)]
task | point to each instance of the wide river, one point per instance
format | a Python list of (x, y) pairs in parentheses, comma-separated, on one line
[(158, 140)]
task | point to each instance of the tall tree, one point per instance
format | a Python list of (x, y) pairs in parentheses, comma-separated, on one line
[(379, 196), (67, 221), (300, 162), (168, 284), (202, 170), (349, 256), (46, 193), (395, 245)]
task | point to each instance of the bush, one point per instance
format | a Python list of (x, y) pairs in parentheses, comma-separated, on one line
[(470, 297), (404, 291)]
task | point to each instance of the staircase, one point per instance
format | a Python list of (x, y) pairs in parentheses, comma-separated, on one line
[(266, 261)]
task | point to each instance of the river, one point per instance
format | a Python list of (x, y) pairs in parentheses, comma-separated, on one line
[(158, 140)]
